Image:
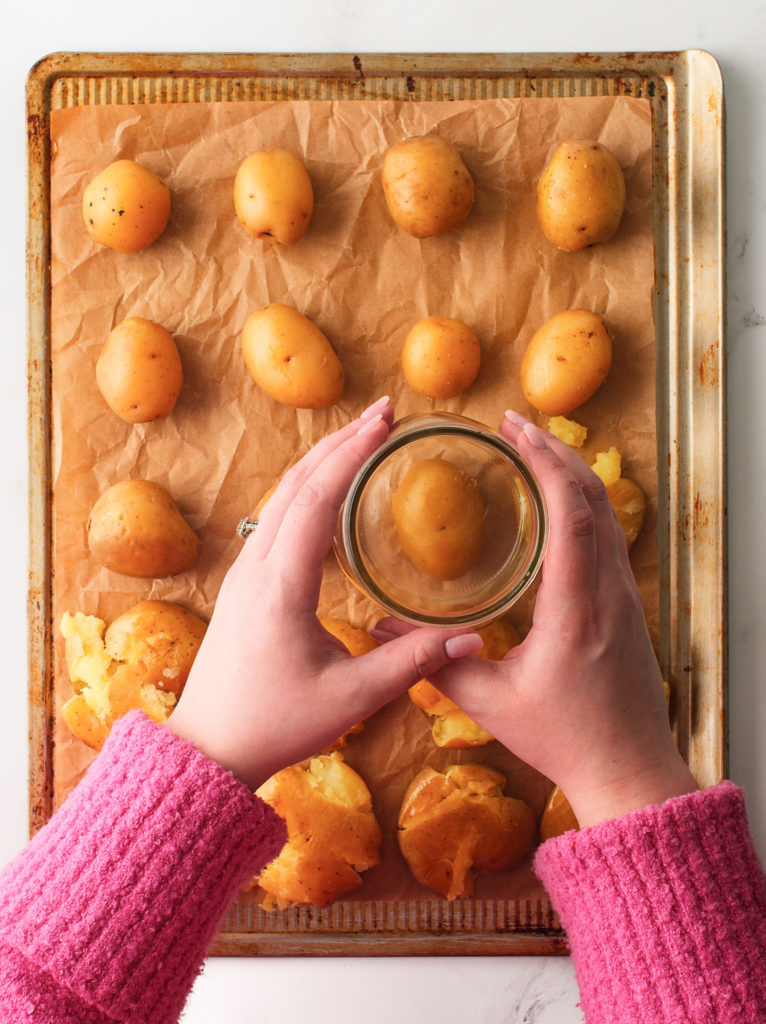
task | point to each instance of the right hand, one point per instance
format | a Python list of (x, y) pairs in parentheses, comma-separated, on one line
[(581, 698)]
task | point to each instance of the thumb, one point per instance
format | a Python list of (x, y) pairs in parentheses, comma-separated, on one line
[(399, 663)]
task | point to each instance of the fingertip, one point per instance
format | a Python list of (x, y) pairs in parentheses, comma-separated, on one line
[(462, 645), (535, 436)]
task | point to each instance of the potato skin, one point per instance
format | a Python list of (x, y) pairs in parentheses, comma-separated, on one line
[(161, 637), (289, 357), (139, 371), (428, 189), (273, 196), (441, 357), (439, 516), (126, 206), (136, 529), (580, 195), (566, 361), (629, 502)]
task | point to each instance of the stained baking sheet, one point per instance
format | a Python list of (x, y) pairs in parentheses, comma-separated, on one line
[(683, 94)]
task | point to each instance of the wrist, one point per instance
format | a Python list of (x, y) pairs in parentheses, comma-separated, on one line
[(651, 785)]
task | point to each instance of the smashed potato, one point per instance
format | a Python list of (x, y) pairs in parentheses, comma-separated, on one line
[(452, 728), (569, 431), (454, 822), (141, 662), (558, 816), (627, 498), (333, 834)]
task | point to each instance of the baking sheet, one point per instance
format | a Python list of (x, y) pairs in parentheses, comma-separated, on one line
[(519, 919)]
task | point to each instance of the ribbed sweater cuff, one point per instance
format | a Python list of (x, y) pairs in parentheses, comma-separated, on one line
[(119, 896), (665, 911)]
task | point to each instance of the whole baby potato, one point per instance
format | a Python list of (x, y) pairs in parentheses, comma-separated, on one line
[(126, 206), (428, 188), (566, 361), (136, 529), (289, 357), (439, 516), (273, 196), (580, 195), (441, 357), (139, 371)]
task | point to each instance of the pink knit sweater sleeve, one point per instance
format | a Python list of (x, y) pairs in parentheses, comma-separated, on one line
[(665, 911), (107, 913)]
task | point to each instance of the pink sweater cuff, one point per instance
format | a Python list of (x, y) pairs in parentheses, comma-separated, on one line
[(665, 911), (119, 896)]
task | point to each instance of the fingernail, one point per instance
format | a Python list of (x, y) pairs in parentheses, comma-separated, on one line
[(535, 436), (463, 644), (516, 418), (369, 424), (383, 635), (371, 409)]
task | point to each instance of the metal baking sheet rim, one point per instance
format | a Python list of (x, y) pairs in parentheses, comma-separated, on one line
[(685, 91)]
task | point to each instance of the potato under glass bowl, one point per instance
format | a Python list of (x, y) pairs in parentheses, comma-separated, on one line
[(515, 526)]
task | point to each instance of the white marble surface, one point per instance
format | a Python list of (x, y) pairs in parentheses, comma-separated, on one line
[(490, 991)]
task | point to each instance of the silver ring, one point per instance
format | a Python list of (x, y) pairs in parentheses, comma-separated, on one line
[(246, 526)]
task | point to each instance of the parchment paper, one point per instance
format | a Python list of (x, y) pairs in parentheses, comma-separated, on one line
[(364, 282)]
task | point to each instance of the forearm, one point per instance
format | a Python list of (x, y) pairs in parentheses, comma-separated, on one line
[(665, 911), (119, 896)]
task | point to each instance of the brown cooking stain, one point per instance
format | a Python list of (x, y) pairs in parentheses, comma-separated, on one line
[(708, 366)]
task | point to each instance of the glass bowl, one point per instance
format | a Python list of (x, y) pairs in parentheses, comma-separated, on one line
[(514, 527)]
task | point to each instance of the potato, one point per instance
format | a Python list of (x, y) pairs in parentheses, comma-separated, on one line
[(439, 516), (428, 188), (139, 371), (454, 821), (558, 816), (273, 196), (289, 357), (629, 502), (332, 832), (566, 361), (135, 529), (441, 357), (569, 431), (141, 662), (580, 195), (452, 728), (126, 206)]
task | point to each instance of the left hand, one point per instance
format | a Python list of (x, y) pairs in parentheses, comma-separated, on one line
[(270, 686)]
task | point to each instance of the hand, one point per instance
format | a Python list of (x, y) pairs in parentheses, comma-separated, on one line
[(581, 698), (270, 686)]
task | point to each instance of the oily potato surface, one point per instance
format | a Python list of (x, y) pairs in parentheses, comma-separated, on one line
[(136, 529), (441, 357), (126, 206), (273, 197), (291, 359), (439, 514), (453, 821), (580, 195), (428, 189), (566, 361), (139, 371)]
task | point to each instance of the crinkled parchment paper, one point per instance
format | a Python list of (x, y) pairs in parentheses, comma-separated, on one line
[(364, 283)]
